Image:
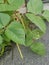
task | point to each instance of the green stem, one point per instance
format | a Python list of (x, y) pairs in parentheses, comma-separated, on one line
[(21, 21), (20, 51), (2, 51)]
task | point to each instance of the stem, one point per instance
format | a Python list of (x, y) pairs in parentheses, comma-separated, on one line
[(5, 1), (21, 20), (19, 17), (1, 53), (20, 51), (12, 52)]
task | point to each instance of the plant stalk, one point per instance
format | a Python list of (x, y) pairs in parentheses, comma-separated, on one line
[(20, 51)]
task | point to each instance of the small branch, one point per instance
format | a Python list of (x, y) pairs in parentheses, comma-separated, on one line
[(2, 51), (5, 1), (20, 51), (21, 20)]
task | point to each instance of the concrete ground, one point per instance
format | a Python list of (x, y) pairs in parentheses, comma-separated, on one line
[(30, 58)]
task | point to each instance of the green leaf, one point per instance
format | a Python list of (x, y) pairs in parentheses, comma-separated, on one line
[(37, 34), (4, 20), (38, 48), (33, 35), (1, 39), (6, 39), (35, 6), (46, 15), (15, 32), (12, 5), (29, 38), (10, 1), (37, 21), (1, 1)]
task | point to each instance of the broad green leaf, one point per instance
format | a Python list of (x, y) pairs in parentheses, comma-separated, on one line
[(11, 7), (4, 19), (46, 15), (15, 32), (33, 35), (37, 34), (1, 39), (38, 48), (35, 6), (37, 21), (29, 38), (6, 39), (10, 1), (1, 1)]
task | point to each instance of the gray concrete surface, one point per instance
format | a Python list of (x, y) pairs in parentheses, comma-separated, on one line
[(30, 58), (46, 6)]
